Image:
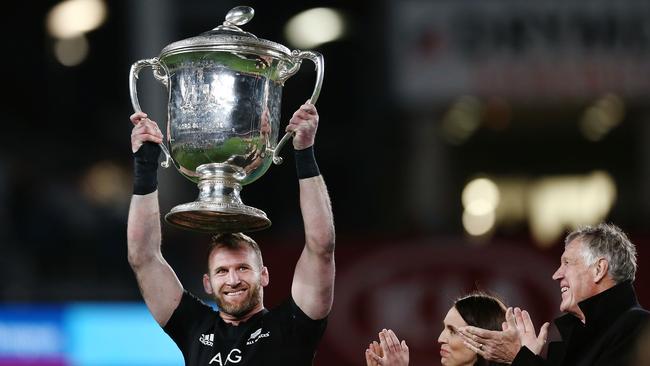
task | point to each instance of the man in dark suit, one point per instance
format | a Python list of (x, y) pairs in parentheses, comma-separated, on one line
[(603, 317)]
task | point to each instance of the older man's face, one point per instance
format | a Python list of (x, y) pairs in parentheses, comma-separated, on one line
[(577, 278)]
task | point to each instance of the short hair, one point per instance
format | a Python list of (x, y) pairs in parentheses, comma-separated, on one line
[(480, 309), (610, 242), (235, 241)]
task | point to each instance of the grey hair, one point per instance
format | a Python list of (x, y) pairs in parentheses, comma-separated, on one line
[(610, 242)]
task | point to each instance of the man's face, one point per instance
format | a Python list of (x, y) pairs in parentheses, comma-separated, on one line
[(235, 280), (577, 278)]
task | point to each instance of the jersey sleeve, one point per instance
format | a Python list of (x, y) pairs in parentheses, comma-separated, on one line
[(306, 330), (187, 320)]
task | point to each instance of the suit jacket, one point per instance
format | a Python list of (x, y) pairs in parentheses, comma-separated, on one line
[(613, 321)]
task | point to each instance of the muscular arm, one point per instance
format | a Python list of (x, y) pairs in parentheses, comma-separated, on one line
[(158, 283), (313, 279)]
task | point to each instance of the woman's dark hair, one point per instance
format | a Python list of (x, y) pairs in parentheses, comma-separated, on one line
[(482, 310)]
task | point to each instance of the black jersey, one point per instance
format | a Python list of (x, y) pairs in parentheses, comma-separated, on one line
[(284, 335)]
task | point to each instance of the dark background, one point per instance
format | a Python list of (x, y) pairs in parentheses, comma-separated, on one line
[(395, 192)]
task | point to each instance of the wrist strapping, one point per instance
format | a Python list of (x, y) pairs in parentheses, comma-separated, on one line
[(306, 166), (145, 168)]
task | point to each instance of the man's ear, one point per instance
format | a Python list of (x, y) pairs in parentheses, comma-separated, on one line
[(265, 276), (600, 269), (207, 286)]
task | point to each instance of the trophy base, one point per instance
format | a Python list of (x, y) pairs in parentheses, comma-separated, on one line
[(219, 208), (217, 217)]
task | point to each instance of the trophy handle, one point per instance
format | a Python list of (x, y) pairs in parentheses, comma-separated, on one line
[(298, 56), (160, 73)]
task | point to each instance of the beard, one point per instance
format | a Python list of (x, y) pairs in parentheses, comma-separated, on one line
[(242, 308)]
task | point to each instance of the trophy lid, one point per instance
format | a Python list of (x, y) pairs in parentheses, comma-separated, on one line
[(229, 37)]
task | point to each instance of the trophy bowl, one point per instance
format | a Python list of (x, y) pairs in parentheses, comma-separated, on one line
[(225, 91)]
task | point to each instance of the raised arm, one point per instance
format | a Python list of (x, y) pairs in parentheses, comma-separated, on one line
[(313, 280), (158, 283)]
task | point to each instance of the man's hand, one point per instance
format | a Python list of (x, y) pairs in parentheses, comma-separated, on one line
[(497, 346), (304, 124), (144, 129), (518, 330), (392, 352), (527, 334)]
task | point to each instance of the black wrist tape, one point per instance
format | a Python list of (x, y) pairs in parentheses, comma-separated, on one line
[(145, 168), (306, 166)]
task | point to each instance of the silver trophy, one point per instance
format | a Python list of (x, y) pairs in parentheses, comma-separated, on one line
[(225, 91)]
